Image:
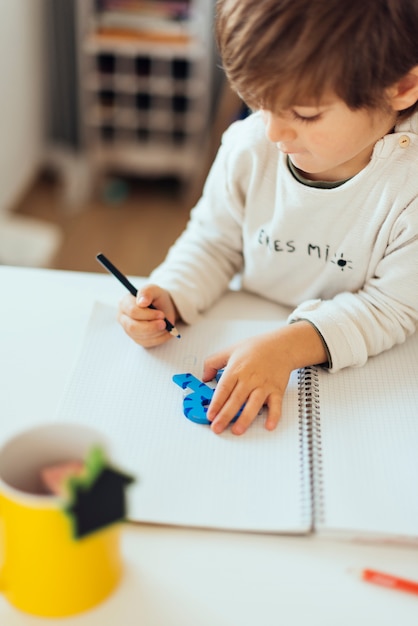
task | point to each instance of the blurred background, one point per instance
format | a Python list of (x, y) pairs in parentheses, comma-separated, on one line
[(111, 114)]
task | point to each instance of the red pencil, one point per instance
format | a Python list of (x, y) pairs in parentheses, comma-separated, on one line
[(388, 580)]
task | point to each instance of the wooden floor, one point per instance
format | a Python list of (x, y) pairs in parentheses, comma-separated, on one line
[(134, 225)]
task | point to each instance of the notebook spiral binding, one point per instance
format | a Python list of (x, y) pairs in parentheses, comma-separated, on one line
[(310, 444)]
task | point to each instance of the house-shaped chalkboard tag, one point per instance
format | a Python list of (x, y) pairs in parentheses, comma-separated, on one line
[(97, 497)]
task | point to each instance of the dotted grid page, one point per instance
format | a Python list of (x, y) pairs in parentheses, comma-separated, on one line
[(369, 436), (185, 474)]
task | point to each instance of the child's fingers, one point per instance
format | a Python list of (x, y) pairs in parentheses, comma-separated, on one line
[(128, 306), (252, 408), (213, 364), (231, 395), (228, 404), (145, 325), (253, 405), (223, 392), (274, 410), (150, 294), (146, 333)]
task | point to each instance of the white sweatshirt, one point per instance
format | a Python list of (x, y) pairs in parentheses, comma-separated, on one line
[(346, 259)]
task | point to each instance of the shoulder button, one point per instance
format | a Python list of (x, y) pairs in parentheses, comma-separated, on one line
[(404, 141)]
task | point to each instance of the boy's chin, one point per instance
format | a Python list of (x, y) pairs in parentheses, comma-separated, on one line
[(307, 170)]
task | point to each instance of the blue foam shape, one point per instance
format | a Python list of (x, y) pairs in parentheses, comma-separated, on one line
[(195, 404)]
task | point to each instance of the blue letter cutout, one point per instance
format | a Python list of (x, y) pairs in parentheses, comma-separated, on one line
[(195, 404)]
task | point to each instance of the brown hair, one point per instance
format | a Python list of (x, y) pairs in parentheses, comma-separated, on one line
[(278, 53)]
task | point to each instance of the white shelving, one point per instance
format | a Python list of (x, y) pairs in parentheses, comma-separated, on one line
[(146, 95)]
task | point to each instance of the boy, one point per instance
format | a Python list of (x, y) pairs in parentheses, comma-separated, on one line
[(313, 198)]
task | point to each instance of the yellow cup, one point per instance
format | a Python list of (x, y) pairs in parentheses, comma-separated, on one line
[(44, 570)]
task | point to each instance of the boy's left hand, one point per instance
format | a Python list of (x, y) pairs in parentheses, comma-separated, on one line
[(255, 375), (257, 372)]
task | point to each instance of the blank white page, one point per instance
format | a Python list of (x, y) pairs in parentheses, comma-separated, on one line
[(185, 474), (369, 440)]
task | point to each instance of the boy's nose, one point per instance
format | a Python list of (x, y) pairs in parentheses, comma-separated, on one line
[(277, 128)]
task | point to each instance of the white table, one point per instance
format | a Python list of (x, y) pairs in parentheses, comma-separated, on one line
[(177, 576)]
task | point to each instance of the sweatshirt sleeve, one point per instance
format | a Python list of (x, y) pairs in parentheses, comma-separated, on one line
[(383, 313), (201, 263)]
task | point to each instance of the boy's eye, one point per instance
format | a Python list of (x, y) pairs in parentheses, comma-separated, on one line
[(306, 118)]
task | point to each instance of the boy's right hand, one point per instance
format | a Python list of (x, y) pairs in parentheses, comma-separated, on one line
[(147, 326)]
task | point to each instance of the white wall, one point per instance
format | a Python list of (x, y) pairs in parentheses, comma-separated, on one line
[(21, 97)]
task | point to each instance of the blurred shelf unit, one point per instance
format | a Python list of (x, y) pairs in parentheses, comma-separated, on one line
[(146, 90)]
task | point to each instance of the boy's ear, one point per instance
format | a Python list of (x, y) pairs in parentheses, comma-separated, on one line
[(404, 93)]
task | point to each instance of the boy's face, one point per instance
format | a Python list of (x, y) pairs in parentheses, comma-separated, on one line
[(328, 141)]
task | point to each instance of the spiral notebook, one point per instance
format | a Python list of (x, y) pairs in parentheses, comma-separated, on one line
[(343, 458)]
